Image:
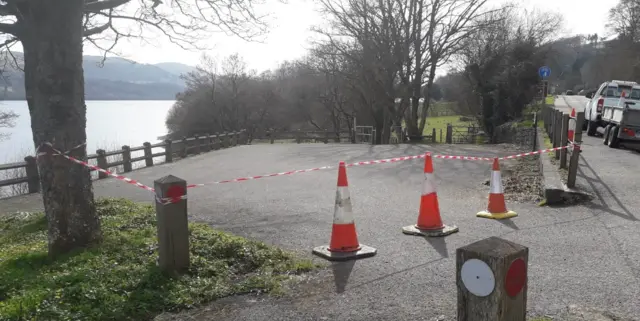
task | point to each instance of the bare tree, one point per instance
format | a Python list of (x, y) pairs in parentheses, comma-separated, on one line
[(7, 119), (52, 34)]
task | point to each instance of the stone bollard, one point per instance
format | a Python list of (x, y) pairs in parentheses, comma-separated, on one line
[(491, 276)]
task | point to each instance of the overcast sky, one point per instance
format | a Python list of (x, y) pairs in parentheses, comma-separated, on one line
[(290, 33)]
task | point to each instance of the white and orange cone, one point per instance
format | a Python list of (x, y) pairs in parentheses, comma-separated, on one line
[(344, 243), (571, 131), (429, 220), (497, 208)]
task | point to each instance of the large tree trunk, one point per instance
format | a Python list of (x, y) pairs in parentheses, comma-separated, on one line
[(54, 84)]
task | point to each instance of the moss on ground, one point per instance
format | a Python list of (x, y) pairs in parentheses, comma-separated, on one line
[(119, 279)]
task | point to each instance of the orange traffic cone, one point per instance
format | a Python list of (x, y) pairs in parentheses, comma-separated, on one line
[(429, 221), (497, 208), (571, 131), (344, 239)]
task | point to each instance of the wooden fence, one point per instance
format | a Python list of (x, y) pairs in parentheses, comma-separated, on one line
[(125, 159), (557, 125), (304, 136)]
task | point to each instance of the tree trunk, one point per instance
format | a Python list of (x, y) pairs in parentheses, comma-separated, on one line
[(54, 83)]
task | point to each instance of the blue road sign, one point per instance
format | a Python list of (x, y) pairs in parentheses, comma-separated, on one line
[(544, 72)]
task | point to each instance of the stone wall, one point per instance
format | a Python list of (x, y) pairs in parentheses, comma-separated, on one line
[(509, 133)]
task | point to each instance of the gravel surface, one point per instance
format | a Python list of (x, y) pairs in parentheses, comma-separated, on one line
[(581, 255)]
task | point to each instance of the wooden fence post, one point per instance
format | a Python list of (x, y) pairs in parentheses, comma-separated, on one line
[(126, 158), (196, 144), (557, 133), (433, 135), (574, 160), (217, 141), (491, 276), (441, 135), (33, 177), (564, 138), (224, 141), (272, 136), (172, 224), (168, 149), (148, 158), (234, 139), (184, 150), (102, 163), (298, 137), (449, 138)]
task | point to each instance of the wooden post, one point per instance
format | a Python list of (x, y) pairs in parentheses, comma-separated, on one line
[(148, 159), (574, 158), (449, 138), (224, 140), (168, 150), (196, 144), (557, 132), (433, 135), (577, 134), (441, 135), (535, 132), (234, 139), (172, 224), (209, 143), (491, 276), (217, 141), (272, 136), (126, 158), (184, 149), (102, 163), (298, 137), (563, 139), (33, 178)]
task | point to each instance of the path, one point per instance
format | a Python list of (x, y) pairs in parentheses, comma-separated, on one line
[(575, 258)]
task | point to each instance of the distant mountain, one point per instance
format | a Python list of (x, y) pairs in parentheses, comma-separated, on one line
[(176, 67), (115, 79)]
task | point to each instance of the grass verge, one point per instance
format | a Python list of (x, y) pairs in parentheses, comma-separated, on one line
[(119, 280)]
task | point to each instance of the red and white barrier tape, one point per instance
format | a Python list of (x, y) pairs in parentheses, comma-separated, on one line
[(242, 179)]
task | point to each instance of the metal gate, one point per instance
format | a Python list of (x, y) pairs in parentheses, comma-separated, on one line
[(365, 135), (466, 134)]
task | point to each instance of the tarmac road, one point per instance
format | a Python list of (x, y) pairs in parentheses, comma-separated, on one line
[(582, 255)]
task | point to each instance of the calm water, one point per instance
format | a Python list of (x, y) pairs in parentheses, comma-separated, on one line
[(110, 124)]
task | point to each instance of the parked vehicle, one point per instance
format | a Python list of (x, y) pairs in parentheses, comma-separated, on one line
[(608, 95), (569, 93)]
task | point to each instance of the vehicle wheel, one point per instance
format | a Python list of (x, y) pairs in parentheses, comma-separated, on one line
[(605, 135), (591, 128), (614, 142)]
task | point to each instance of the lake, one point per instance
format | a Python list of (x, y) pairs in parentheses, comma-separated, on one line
[(110, 124)]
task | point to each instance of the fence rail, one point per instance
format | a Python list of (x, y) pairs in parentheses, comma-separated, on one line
[(172, 148)]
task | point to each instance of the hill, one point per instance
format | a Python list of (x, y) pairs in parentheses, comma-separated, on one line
[(115, 79)]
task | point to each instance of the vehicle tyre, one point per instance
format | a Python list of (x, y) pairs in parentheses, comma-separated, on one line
[(605, 135), (591, 128), (614, 142)]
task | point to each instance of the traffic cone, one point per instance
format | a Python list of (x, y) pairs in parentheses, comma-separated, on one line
[(571, 131), (497, 209), (344, 244), (429, 221)]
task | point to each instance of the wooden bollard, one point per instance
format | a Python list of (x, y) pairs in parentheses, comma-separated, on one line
[(172, 224), (33, 178), (491, 276)]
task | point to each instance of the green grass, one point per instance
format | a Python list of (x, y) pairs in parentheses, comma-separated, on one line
[(119, 280), (550, 100)]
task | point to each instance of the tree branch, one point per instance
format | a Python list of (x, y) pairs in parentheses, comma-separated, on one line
[(93, 6), (10, 28), (97, 30)]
